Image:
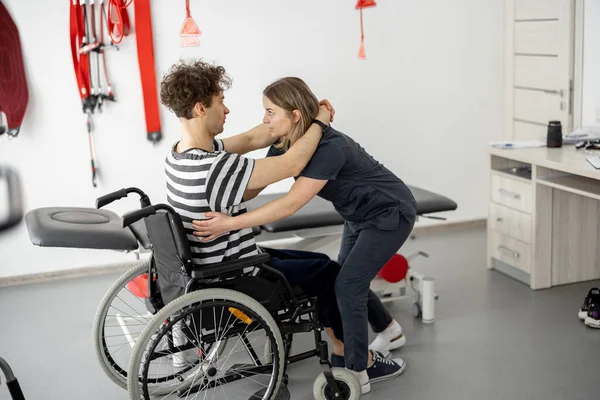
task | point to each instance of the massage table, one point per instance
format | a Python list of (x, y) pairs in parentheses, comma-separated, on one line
[(318, 224), (314, 226)]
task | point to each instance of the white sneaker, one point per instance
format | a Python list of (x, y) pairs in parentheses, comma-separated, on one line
[(390, 339), (183, 358), (365, 383), (592, 322)]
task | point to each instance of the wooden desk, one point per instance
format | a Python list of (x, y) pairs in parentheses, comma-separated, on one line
[(544, 216)]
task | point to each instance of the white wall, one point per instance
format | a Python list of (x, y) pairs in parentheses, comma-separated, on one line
[(426, 101), (591, 64)]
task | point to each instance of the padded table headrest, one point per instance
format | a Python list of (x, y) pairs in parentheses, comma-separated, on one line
[(83, 228), (429, 202)]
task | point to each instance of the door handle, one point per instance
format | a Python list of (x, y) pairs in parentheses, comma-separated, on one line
[(560, 92)]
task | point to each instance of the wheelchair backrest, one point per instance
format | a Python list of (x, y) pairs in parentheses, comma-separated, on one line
[(171, 251)]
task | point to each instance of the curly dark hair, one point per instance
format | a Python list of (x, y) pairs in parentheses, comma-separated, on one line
[(190, 82)]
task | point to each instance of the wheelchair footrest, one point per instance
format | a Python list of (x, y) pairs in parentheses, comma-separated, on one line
[(283, 394)]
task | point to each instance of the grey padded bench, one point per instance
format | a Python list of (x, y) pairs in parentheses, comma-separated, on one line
[(318, 219)]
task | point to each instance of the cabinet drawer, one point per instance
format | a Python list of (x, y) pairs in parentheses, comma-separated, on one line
[(512, 193), (510, 222), (510, 251)]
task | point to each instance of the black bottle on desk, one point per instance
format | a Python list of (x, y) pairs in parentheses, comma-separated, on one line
[(555, 138)]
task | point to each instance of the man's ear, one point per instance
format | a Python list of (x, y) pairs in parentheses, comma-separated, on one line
[(199, 110), (296, 116)]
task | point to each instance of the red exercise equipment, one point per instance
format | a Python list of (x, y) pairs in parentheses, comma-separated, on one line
[(138, 286), (395, 269)]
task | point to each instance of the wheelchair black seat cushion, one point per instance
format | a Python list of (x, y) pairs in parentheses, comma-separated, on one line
[(85, 228)]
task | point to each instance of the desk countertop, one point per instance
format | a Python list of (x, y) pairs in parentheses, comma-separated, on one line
[(566, 159)]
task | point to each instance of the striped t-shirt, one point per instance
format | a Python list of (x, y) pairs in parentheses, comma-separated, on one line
[(199, 181)]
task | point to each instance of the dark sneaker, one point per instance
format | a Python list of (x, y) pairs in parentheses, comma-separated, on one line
[(339, 362), (593, 296), (383, 369), (593, 316)]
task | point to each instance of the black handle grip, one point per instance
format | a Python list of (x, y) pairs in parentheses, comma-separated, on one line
[(15, 390), (136, 215), (15, 205), (11, 381), (109, 198)]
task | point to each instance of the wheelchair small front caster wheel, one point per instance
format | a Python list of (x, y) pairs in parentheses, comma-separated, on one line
[(347, 382), (416, 310)]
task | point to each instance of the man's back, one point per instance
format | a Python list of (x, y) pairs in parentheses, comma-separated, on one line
[(199, 181)]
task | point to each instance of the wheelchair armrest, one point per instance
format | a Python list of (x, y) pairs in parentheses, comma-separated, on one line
[(210, 270)]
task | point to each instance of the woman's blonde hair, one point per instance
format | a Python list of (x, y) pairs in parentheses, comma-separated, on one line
[(293, 94)]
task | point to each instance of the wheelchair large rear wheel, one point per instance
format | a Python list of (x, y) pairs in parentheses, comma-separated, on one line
[(120, 319), (207, 317)]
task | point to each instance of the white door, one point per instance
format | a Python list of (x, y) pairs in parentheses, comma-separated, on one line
[(539, 66)]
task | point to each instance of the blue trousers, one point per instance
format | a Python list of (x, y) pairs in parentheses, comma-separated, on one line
[(315, 274), (363, 254)]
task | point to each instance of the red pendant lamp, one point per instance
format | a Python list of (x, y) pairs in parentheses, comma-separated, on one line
[(360, 4), (189, 33)]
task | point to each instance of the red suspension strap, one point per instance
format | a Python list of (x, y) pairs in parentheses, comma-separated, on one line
[(145, 49), (118, 27)]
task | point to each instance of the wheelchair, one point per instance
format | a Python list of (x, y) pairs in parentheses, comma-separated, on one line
[(11, 180), (212, 331)]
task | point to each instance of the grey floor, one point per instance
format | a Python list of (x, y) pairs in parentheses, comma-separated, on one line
[(493, 339)]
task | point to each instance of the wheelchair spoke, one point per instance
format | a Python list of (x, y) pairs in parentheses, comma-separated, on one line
[(223, 368), (127, 303), (136, 311), (144, 321), (240, 350), (223, 386), (234, 347), (132, 295), (118, 326), (114, 336), (247, 377)]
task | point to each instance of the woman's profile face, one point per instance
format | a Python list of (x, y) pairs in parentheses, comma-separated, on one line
[(278, 120)]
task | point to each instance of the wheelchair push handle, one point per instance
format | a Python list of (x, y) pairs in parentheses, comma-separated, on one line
[(147, 211), (136, 215), (109, 198), (13, 384), (121, 193)]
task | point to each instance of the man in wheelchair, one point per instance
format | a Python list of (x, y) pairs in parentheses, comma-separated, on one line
[(216, 326)]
